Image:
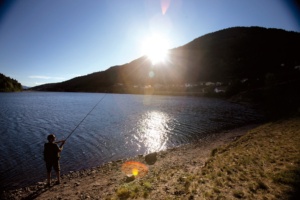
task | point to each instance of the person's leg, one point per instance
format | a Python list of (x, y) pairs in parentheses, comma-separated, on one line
[(49, 167), (48, 177), (58, 177), (56, 167)]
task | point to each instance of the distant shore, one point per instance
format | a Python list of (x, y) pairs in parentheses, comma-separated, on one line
[(194, 171)]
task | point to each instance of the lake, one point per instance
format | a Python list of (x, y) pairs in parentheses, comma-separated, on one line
[(111, 127)]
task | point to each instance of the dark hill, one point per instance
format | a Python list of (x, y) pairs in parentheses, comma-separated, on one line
[(240, 53), (253, 54), (8, 84)]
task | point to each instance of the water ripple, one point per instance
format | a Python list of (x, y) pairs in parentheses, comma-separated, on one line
[(120, 126)]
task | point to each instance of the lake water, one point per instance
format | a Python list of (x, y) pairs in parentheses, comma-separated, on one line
[(120, 126)]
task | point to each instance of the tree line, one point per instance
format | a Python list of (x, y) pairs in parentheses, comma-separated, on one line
[(8, 84)]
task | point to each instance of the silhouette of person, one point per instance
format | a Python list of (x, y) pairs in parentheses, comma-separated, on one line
[(51, 157)]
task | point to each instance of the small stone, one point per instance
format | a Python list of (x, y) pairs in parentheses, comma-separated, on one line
[(151, 158), (129, 178)]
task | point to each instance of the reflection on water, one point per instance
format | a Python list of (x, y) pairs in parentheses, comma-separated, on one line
[(153, 130)]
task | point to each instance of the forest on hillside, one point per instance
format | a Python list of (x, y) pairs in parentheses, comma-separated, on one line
[(8, 84)]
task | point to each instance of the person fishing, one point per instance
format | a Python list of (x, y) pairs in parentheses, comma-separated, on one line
[(52, 150), (51, 157)]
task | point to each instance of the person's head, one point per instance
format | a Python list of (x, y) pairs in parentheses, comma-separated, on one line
[(51, 137)]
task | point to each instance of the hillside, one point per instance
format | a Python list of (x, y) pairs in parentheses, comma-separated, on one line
[(254, 54), (8, 84)]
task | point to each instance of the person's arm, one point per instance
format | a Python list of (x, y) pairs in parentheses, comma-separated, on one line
[(61, 145)]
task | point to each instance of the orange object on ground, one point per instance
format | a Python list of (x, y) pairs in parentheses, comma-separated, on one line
[(134, 168)]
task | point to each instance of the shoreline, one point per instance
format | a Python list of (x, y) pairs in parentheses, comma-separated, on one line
[(106, 178)]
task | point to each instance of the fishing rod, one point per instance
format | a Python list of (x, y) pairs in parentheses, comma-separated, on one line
[(82, 120), (60, 141), (9, 169)]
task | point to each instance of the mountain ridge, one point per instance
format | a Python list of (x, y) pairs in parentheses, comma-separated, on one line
[(223, 56)]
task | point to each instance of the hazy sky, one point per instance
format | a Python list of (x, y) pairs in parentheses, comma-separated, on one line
[(46, 41)]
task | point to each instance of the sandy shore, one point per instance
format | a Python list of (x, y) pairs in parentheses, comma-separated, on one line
[(103, 182)]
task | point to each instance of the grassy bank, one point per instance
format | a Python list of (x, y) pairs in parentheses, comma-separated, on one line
[(263, 164)]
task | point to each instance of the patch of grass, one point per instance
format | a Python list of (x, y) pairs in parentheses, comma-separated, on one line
[(262, 185), (123, 193), (134, 189), (238, 194), (147, 185), (214, 151), (216, 190), (288, 177)]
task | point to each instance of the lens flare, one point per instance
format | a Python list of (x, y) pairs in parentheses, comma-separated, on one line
[(135, 172), (165, 5), (134, 168)]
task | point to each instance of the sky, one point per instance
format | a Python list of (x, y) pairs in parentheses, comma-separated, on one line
[(50, 41)]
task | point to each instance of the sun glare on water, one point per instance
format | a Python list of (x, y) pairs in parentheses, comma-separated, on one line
[(156, 49)]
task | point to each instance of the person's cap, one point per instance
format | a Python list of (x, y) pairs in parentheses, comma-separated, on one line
[(51, 136)]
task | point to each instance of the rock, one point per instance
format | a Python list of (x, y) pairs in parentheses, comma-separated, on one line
[(166, 188), (178, 193), (151, 158), (77, 184), (129, 178), (41, 183)]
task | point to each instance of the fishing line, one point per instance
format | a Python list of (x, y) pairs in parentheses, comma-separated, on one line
[(84, 118)]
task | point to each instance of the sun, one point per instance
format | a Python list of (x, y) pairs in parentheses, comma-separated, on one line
[(156, 49)]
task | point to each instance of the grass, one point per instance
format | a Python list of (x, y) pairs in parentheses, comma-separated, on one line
[(263, 164), (134, 190)]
